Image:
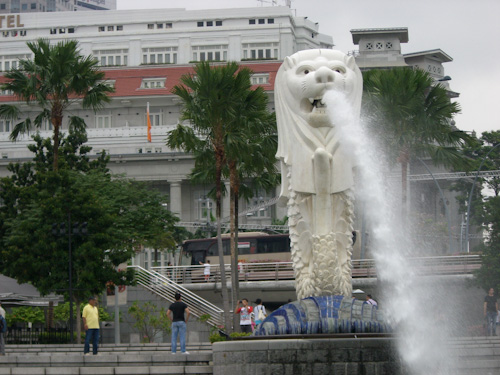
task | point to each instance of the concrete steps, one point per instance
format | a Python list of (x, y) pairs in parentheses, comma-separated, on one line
[(476, 355), (126, 359)]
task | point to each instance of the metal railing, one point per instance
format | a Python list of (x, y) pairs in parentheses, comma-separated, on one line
[(361, 268), (166, 288), (36, 335)]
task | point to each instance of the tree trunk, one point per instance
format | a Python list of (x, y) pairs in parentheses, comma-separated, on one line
[(56, 120), (218, 200), (233, 215), (236, 284)]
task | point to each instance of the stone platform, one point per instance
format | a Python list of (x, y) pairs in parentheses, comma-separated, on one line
[(315, 354)]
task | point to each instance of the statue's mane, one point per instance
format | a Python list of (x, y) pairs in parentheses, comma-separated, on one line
[(289, 122)]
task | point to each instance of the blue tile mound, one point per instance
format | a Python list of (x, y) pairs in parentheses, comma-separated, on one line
[(325, 314)]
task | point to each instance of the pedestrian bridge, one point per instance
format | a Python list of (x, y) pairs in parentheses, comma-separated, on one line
[(283, 271)]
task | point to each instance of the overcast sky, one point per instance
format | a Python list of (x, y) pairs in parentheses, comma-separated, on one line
[(466, 30)]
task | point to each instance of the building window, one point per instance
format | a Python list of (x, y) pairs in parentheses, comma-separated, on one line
[(270, 20), (5, 126), (53, 31), (168, 25), (111, 28), (151, 26), (264, 51), (210, 53), (379, 45), (2, 6), (102, 121), (218, 23), (101, 29), (205, 207), (62, 31), (251, 22), (153, 83), (155, 116), (262, 21), (159, 26), (388, 45), (10, 61), (210, 23), (259, 79), (46, 125), (33, 5), (263, 212), (119, 28), (369, 45), (199, 23), (112, 57), (24, 7), (71, 30), (159, 55)]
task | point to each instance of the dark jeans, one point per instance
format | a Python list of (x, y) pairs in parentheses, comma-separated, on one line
[(247, 328), (91, 334), (491, 319)]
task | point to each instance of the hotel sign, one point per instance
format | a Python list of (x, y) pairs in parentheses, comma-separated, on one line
[(10, 21)]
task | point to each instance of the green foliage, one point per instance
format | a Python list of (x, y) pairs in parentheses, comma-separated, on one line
[(204, 318), (240, 334), (26, 314), (49, 82), (149, 320), (216, 337), (121, 215)]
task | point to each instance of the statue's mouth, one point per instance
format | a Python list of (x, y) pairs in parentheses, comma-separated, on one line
[(313, 105)]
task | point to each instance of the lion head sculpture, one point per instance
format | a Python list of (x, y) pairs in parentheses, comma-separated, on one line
[(304, 122)]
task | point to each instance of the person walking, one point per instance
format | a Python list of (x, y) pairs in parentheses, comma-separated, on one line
[(206, 270), (490, 308), (90, 317), (260, 312), (178, 313), (245, 311), (3, 330)]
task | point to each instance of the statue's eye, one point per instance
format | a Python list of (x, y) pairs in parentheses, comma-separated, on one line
[(339, 70), (306, 71)]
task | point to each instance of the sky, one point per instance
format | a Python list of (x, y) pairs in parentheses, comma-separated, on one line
[(466, 30)]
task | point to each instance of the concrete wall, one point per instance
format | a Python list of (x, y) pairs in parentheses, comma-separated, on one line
[(368, 356)]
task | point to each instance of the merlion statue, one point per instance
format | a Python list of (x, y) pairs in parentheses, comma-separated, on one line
[(317, 166)]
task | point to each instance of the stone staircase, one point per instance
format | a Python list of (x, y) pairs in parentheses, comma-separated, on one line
[(476, 355), (121, 359)]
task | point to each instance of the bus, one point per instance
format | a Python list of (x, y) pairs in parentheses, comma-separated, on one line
[(252, 247)]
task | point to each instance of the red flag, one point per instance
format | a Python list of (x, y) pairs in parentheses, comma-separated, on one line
[(149, 124)]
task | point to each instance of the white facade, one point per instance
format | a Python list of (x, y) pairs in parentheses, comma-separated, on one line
[(144, 53)]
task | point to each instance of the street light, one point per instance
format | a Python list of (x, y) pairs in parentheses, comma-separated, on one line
[(60, 230), (470, 197)]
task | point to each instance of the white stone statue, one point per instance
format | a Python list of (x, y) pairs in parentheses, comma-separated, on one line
[(317, 166)]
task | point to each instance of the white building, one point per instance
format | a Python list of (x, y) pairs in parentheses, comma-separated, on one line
[(144, 53), (32, 6)]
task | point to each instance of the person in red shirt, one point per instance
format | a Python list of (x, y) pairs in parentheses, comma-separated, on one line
[(245, 311)]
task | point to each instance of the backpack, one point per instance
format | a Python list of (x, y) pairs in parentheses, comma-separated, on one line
[(260, 315)]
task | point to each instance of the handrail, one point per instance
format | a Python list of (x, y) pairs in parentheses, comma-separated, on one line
[(277, 271), (166, 288)]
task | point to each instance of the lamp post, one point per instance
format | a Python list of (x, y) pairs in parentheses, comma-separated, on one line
[(60, 230), (469, 202)]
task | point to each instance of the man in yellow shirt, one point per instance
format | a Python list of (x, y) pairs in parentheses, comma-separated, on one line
[(90, 317)]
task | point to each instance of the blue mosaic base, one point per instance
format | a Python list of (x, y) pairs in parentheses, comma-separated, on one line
[(325, 314)]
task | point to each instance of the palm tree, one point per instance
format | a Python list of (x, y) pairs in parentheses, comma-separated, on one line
[(56, 77), (223, 110), (413, 117)]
